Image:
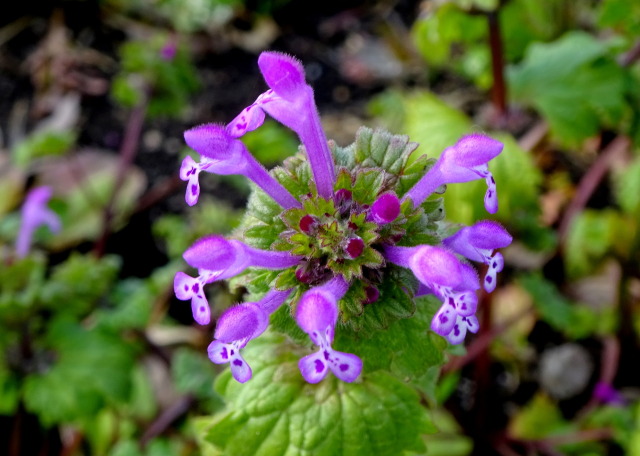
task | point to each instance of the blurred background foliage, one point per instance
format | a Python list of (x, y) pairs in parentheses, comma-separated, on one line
[(97, 356)]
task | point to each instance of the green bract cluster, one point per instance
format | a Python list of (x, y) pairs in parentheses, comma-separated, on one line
[(375, 163)]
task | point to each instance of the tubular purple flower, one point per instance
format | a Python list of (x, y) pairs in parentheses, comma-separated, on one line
[(223, 154), (317, 315), (34, 214), (217, 258), (291, 102), (385, 209), (237, 326), (443, 275), (464, 162), (433, 266), (478, 242)]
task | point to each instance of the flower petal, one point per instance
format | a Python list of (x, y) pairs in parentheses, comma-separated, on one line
[(385, 209), (219, 352), (433, 265), (444, 320), (213, 253), (240, 369), (200, 308), (466, 303), (345, 366), (457, 333), (283, 73), (185, 286), (313, 367), (209, 140), (317, 310), (246, 321)]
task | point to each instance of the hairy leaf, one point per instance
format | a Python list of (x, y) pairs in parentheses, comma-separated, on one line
[(278, 413)]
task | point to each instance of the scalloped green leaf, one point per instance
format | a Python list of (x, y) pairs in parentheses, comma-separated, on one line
[(573, 83), (277, 413), (407, 347)]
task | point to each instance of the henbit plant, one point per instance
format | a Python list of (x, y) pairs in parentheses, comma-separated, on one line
[(343, 242)]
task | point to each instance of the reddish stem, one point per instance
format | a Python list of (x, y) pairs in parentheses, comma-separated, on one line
[(590, 182), (498, 91), (128, 152)]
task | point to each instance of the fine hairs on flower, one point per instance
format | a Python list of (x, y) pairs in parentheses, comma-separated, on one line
[(333, 228)]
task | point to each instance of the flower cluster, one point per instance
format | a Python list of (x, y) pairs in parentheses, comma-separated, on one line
[(331, 230)]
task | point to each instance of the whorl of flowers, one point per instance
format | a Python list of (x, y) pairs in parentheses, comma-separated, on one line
[(339, 235)]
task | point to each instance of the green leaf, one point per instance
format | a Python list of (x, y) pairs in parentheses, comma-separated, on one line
[(407, 347), (621, 15), (572, 319), (132, 300), (539, 419), (591, 236), (91, 369), (79, 282), (9, 390), (436, 126), (627, 187), (193, 373), (20, 286), (43, 144), (573, 83), (278, 413)]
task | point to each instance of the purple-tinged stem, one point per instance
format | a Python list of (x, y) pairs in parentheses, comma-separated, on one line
[(128, 151), (498, 91)]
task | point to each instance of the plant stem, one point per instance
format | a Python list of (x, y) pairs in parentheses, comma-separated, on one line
[(498, 91), (590, 182), (127, 154)]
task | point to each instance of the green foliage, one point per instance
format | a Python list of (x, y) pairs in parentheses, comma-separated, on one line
[(574, 83), (539, 419), (278, 413), (169, 81), (193, 373), (131, 301), (592, 236), (96, 363), (627, 188), (447, 28), (45, 143), (621, 15), (406, 347), (572, 319), (183, 15), (435, 126), (84, 185), (79, 282)]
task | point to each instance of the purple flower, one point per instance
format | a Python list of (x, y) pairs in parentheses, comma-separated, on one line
[(290, 101), (34, 214), (453, 282), (317, 315), (237, 326), (217, 258), (385, 209), (478, 243), (341, 239), (222, 153), (169, 50), (607, 394), (465, 161)]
